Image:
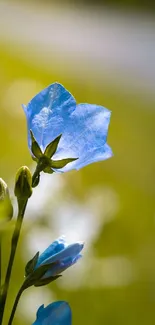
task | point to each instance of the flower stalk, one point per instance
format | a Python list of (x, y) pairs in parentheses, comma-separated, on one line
[(0, 263), (15, 305), (21, 206)]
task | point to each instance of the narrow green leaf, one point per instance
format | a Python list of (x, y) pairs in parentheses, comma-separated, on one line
[(35, 146), (52, 147), (29, 268), (61, 163)]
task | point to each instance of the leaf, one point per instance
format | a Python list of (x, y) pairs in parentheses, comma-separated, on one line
[(52, 147), (29, 268), (35, 146), (61, 163)]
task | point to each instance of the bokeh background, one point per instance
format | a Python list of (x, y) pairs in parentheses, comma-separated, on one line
[(104, 53)]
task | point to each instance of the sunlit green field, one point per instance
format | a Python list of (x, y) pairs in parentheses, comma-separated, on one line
[(114, 283)]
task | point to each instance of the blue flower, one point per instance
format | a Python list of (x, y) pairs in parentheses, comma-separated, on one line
[(84, 127), (59, 256), (57, 313)]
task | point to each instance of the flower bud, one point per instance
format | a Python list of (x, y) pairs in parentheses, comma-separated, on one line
[(3, 190), (48, 266), (6, 209), (23, 183)]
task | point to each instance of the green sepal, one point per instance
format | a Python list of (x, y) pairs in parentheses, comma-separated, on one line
[(43, 163), (37, 274), (30, 266), (48, 280), (35, 146), (35, 159), (48, 170), (23, 183), (61, 163), (52, 147)]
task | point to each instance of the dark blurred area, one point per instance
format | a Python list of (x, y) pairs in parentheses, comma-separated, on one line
[(141, 5)]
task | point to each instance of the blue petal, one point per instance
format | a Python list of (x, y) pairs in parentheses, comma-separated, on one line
[(84, 127), (61, 266), (57, 246), (71, 251), (57, 313), (48, 113), (85, 136)]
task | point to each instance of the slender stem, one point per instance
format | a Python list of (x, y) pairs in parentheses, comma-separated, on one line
[(35, 178), (0, 263), (15, 305), (21, 208)]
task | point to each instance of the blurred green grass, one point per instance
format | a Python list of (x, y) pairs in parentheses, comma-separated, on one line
[(130, 173)]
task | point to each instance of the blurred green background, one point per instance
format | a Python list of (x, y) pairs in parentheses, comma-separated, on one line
[(103, 56)]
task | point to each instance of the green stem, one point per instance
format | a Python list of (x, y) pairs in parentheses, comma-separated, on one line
[(0, 264), (35, 178), (15, 305), (21, 208)]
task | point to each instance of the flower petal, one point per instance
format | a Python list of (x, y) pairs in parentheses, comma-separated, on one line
[(61, 267), (56, 247), (57, 313), (71, 251), (85, 136), (48, 113)]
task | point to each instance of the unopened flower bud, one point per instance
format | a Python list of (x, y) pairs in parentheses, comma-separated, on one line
[(6, 209), (23, 183)]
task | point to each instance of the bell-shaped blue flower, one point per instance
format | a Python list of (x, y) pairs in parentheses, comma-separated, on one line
[(59, 256), (57, 313), (54, 112)]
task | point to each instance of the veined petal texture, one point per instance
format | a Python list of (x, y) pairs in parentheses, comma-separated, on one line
[(85, 136), (48, 112), (83, 127)]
